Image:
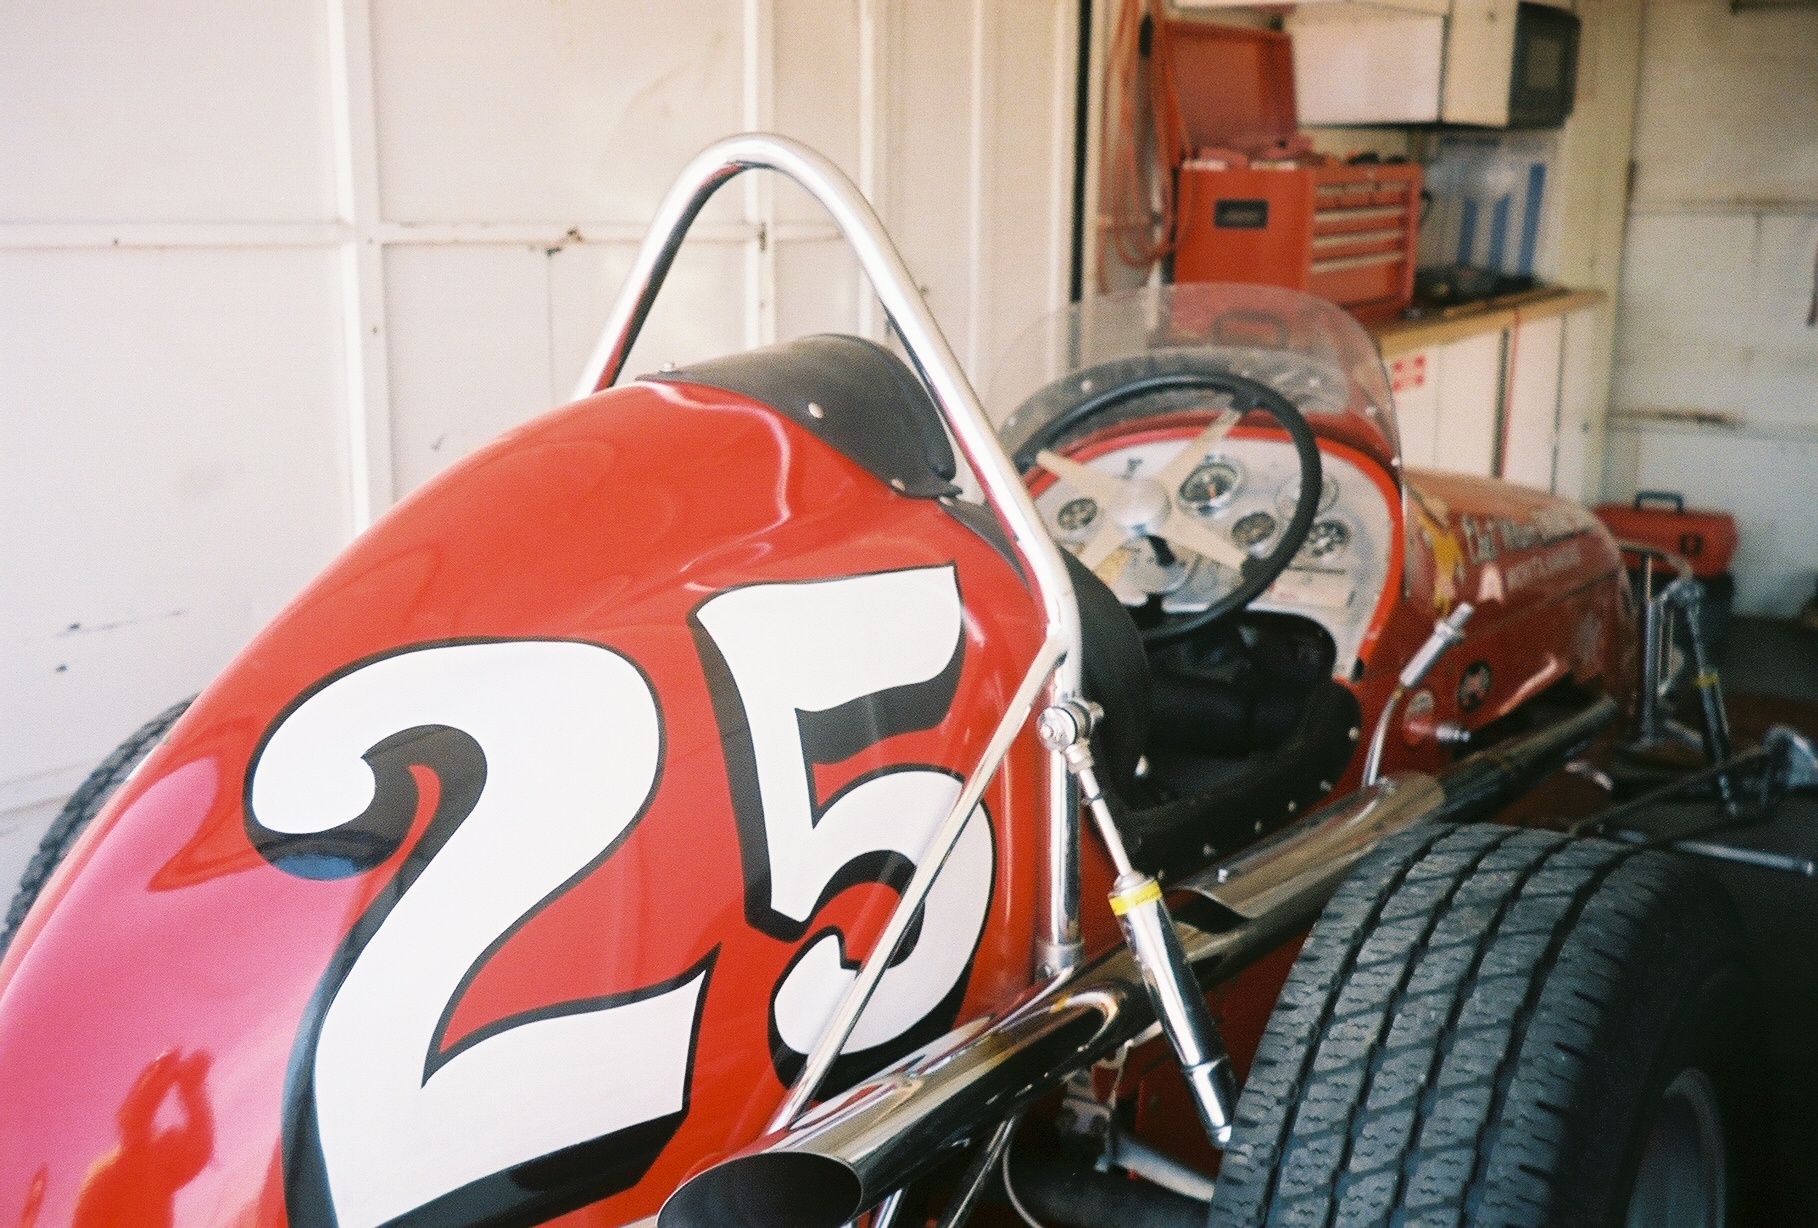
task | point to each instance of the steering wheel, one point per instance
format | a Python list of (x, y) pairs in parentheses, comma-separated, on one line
[(1125, 390)]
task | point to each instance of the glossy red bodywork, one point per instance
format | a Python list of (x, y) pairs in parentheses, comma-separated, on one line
[(149, 1008)]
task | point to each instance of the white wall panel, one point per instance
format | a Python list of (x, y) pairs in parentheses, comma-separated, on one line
[(548, 110), (185, 110), (469, 340), (701, 313), (319, 249), (817, 80), (817, 287), (1717, 279), (928, 172), (1729, 105), (1029, 175), (1712, 315), (170, 478)]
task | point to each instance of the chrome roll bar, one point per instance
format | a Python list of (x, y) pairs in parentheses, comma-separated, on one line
[(1056, 667)]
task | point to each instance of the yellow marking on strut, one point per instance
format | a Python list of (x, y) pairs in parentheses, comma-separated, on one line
[(1145, 892)]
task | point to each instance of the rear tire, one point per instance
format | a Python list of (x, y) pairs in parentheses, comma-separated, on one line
[(1494, 1026), (80, 810)]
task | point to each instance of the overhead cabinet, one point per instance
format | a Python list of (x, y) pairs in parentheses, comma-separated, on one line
[(1484, 63)]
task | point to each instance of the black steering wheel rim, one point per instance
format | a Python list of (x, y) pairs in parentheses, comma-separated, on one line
[(1078, 403)]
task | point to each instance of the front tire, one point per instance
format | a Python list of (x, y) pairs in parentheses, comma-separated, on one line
[(1497, 1026), (79, 812)]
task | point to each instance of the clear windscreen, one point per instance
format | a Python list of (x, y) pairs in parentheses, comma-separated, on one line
[(1302, 347)]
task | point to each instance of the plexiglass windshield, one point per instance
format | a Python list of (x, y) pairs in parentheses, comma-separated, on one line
[(1306, 349)]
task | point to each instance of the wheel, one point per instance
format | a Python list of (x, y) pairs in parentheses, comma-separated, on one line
[(1126, 394), (1491, 1026), (80, 810)]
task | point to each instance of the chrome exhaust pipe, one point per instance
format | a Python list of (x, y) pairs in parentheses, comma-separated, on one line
[(846, 1154)]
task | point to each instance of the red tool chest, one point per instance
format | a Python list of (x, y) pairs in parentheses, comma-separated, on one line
[(1255, 204), (1659, 518)]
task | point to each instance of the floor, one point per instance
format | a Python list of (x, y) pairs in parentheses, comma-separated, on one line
[(1770, 671)]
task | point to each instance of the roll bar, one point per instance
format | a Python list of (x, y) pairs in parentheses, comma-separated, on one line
[(1056, 668)]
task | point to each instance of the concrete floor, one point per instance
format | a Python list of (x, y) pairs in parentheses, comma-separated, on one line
[(1763, 661)]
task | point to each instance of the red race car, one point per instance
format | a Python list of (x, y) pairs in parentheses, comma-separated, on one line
[(855, 827)]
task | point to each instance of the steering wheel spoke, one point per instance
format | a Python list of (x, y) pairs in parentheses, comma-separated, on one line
[(1182, 530), (1101, 486), (1102, 545), (1188, 458), (1113, 395)]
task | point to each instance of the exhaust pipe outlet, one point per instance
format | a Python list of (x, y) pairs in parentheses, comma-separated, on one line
[(846, 1154)]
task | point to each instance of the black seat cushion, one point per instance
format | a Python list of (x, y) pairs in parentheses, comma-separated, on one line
[(1251, 796), (1116, 678)]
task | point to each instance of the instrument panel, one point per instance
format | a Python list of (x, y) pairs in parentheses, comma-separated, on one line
[(1245, 489)]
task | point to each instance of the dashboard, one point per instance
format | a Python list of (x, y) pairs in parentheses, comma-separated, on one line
[(1245, 490)]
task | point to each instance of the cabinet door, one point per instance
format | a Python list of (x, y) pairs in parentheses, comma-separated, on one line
[(1361, 64), (1470, 394), (1414, 379), (1531, 400)]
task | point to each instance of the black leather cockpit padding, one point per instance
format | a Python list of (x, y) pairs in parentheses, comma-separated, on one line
[(1116, 677), (1172, 839), (873, 408)]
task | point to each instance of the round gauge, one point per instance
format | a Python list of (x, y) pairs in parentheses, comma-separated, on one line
[(1328, 539), (1289, 495), (1210, 484), (1076, 514), (1253, 530)]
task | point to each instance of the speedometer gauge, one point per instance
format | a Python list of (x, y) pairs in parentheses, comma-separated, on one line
[(1289, 496), (1211, 484), (1076, 515), (1328, 540), (1253, 530)]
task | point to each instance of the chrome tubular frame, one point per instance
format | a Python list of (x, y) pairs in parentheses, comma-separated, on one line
[(1056, 668), (851, 1151)]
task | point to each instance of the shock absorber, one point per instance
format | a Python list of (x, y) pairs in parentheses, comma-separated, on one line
[(1136, 899)]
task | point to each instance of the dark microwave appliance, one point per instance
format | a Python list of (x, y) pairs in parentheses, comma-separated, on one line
[(1545, 72)]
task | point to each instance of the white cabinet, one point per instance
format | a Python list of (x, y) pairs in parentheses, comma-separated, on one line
[(1530, 397), (1507, 396), (1398, 64)]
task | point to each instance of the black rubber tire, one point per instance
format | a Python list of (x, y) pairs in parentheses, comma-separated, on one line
[(80, 810), (1480, 1030)]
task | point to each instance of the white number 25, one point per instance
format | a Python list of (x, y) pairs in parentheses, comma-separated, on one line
[(546, 754)]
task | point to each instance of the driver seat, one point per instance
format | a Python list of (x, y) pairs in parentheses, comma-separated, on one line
[(1173, 836)]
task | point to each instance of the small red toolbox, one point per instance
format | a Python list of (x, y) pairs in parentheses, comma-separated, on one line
[(1659, 518), (1257, 205)]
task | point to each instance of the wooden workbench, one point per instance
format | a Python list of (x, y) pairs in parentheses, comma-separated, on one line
[(1399, 337)]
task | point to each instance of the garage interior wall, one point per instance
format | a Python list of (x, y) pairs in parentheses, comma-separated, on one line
[(1717, 280), (271, 267)]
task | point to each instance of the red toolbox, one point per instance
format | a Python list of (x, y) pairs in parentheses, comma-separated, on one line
[(1257, 205), (1659, 518)]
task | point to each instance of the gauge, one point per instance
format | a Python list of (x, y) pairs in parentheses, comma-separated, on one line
[(1253, 530), (1328, 539), (1210, 484), (1289, 495), (1076, 515)]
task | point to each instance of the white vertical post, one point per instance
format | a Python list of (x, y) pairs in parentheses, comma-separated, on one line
[(981, 129), (356, 146), (873, 56), (759, 109)]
